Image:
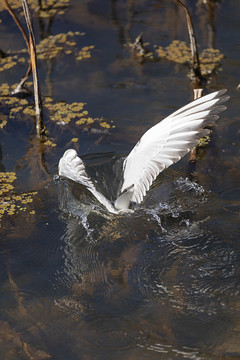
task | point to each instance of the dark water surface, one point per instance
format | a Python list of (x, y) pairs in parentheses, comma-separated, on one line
[(163, 282)]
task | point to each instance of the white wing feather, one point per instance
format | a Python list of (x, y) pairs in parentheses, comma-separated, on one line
[(72, 167), (167, 142)]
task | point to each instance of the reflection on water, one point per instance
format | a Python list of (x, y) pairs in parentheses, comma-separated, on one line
[(77, 282)]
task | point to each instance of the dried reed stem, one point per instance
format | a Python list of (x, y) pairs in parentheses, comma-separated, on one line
[(193, 43), (33, 59), (193, 152), (15, 18)]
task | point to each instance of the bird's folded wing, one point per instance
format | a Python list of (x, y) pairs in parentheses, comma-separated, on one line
[(168, 141), (72, 167)]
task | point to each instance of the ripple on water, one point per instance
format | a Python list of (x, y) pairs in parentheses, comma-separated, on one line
[(162, 273)]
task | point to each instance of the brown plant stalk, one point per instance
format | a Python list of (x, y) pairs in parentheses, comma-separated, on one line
[(19, 88), (33, 60), (193, 43)]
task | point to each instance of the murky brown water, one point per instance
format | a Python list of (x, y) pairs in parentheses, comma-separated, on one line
[(75, 282)]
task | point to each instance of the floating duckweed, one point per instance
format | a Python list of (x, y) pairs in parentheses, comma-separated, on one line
[(71, 43), (16, 109), (7, 63), (60, 112), (14, 103), (48, 99), (105, 124), (81, 121), (50, 143), (11, 203), (53, 46), (180, 52), (29, 111), (210, 60), (204, 141), (85, 52), (49, 48), (74, 140), (3, 121), (177, 51), (7, 176), (63, 113), (49, 8), (10, 61), (23, 102)]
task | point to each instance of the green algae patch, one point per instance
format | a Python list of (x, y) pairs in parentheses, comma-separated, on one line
[(10, 202)]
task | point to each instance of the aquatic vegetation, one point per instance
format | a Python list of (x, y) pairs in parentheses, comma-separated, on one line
[(180, 52), (85, 52), (140, 51), (204, 141), (49, 8), (15, 105), (74, 140), (3, 121), (10, 202), (7, 63), (50, 48), (50, 143), (60, 112)]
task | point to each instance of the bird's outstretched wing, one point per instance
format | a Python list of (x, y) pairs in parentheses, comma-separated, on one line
[(166, 143), (72, 167)]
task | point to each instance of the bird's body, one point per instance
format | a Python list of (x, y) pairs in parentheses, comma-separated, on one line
[(162, 145)]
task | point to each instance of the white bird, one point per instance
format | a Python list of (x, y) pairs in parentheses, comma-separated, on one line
[(162, 145)]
